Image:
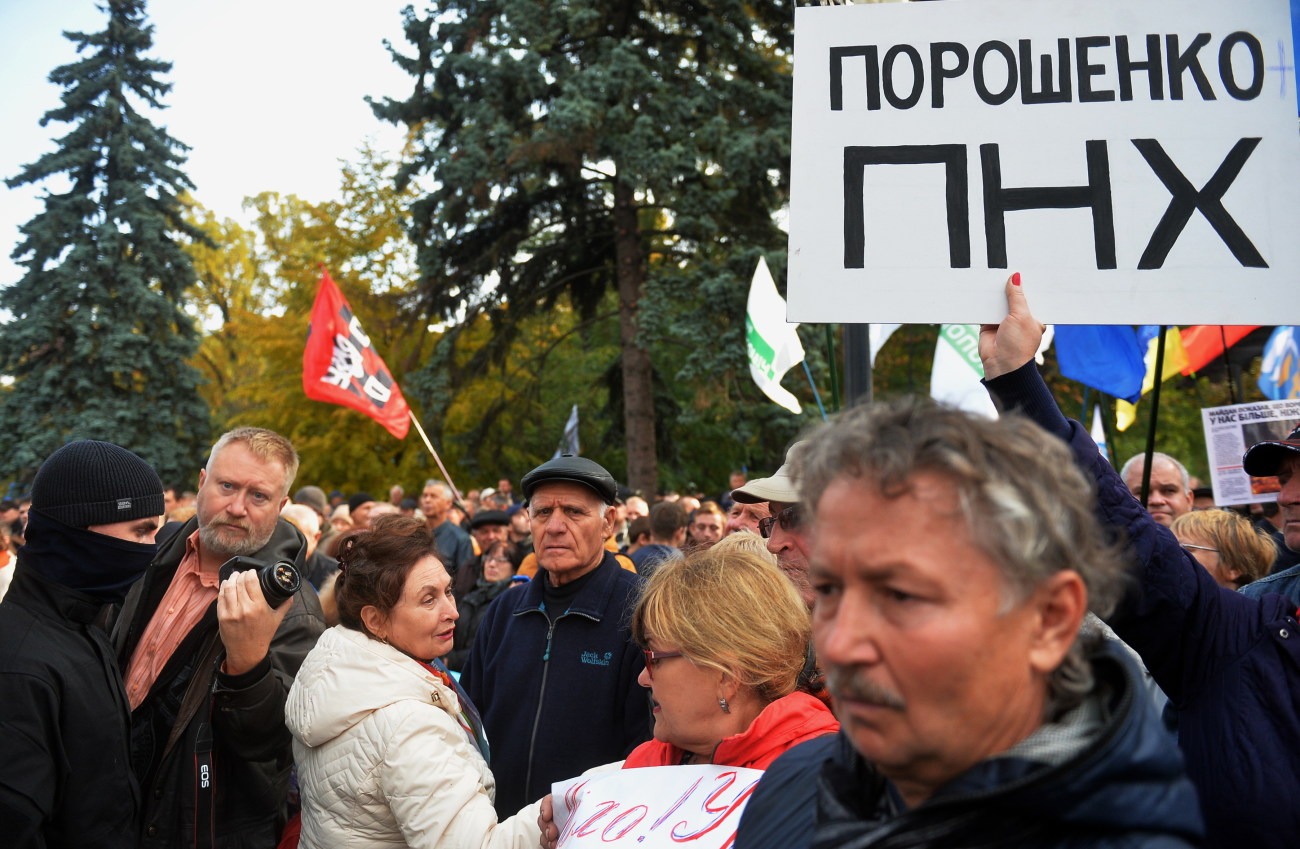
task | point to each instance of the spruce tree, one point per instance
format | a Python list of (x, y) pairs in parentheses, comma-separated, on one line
[(97, 345), (591, 146)]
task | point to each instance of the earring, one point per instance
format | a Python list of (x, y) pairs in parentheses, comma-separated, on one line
[(722, 703)]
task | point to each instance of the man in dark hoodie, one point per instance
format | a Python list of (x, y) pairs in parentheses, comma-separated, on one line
[(65, 768)]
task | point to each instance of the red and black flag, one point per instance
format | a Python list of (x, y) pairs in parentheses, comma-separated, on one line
[(340, 366)]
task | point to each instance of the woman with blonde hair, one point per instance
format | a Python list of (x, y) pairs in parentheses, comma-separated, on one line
[(725, 638), (1231, 549)]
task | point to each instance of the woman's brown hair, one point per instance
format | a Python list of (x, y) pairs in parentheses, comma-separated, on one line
[(374, 564)]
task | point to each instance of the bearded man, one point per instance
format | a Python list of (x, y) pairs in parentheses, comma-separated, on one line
[(209, 663)]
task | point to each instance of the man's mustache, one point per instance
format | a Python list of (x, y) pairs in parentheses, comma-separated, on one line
[(851, 684)]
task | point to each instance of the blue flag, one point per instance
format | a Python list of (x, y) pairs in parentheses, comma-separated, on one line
[(1279, 372), (1103, 356)]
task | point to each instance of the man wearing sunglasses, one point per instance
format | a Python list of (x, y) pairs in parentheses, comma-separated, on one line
[(784, 529)]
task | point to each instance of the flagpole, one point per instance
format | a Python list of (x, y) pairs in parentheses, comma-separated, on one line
[(1155, 413), (1227, 365), (1108, 427), (834, 366), (857, 365), (427, 444), (818, 397)]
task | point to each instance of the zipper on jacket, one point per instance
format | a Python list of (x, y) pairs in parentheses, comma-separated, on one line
[(541, 698), (541, 694)]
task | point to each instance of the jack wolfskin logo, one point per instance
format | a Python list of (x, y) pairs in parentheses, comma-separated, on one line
[(596, 658)]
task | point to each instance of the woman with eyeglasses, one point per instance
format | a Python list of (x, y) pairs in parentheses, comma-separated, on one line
[(390, 750), (1231, 549), (725, 637), (495, 577)]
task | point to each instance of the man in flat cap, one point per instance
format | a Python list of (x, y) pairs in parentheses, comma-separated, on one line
[(553, 668), (487, 528), (65, 773)]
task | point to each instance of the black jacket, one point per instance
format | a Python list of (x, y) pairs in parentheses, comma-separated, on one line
[(1124, 788), (471, 606), (251, 748), (65, 772)]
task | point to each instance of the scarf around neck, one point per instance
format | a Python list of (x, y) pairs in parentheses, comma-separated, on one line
[(79, 559)]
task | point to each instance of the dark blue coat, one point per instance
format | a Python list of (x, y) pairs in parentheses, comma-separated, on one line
[(558, 700), (1125, 788), (1230, 664)]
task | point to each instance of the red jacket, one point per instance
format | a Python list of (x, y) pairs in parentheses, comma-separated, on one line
[(786, 722)]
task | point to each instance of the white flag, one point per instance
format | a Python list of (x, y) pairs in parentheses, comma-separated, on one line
[(955, 376), (773, 344), (1099, 431), (878, 335)]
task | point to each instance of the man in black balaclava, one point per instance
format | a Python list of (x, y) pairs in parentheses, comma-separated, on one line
[(65, 772)]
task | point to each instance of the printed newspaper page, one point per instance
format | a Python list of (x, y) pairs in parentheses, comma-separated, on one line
[(1229, 431)]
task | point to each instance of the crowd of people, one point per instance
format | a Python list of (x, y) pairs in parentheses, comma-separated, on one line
[(927, 628)]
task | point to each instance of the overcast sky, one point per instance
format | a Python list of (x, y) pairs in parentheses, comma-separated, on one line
[(268, 93)]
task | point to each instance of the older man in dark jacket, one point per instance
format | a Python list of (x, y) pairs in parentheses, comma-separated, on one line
[(65, 768), (1230, 664), (553, 668), (953, 561), (209, 663)]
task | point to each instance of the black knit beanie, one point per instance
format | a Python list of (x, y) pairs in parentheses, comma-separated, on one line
[(88, 483)]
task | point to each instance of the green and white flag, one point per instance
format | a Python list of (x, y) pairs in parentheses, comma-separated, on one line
[(955, 376), (773, 344)]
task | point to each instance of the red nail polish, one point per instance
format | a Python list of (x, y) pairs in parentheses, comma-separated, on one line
[(1015, 279)]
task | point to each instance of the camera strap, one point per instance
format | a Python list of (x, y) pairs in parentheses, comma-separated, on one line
[(204, 779), (198, 690)]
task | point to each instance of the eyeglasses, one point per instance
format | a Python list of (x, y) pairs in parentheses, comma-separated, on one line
[(789, 519), (653, 657), (1199, 547)]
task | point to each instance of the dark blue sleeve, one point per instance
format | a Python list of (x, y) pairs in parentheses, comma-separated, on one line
[(1175, 616), (782, 812)]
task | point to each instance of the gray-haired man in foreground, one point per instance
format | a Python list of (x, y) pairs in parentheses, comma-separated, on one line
[(953, 560)]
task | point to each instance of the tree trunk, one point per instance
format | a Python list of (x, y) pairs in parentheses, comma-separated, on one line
[(638, 389)]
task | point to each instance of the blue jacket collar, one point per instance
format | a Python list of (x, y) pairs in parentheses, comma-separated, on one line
[(592, 601)]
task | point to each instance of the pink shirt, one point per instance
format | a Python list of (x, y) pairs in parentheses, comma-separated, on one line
[(187, 598)]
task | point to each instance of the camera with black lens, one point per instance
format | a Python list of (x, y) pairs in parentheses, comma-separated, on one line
[(279, 580)]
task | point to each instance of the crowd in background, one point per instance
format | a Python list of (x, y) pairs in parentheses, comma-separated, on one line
[(927, 628)]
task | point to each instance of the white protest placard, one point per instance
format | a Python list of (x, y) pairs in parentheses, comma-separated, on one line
[(653, 807), (1137, 162), (1229, 431)]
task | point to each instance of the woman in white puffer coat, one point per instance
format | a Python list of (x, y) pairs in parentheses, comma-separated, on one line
[(390, 752)]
